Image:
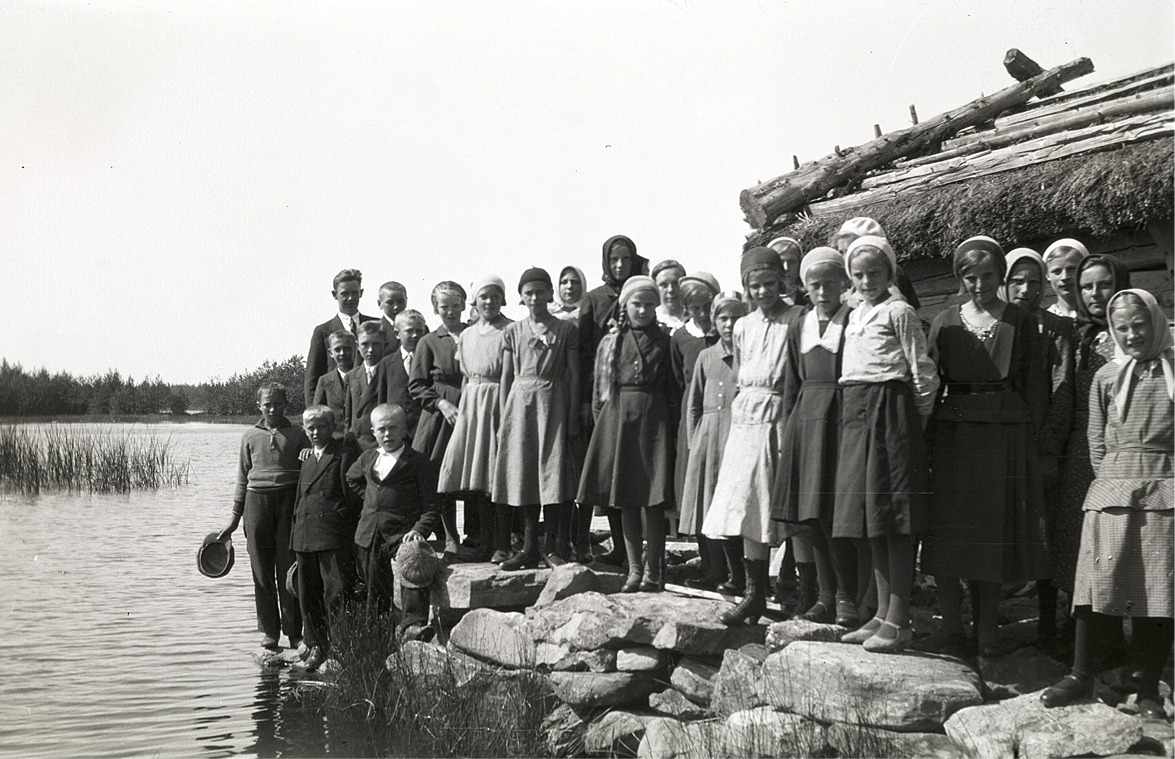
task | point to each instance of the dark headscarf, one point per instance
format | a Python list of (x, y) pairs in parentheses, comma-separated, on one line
[(639, 263), (1088, 325)]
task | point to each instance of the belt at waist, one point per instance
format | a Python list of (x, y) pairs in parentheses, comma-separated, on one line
[(1151, 449), (979, 388), (482, 379), (641, 389), (531, 380), (820, 383)]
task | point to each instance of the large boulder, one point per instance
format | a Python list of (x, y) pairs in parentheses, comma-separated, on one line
[(694, 678), (497, 637), (782, 634), (1023, 671), (764, 732), (592, 620), (736, 684), (859, 740), (478, 586), (833, 682), (1023, 727), (616, 733), (667, 738), (583, 690), (566, 581)]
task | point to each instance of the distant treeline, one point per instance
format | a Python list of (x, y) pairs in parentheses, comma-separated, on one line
[(39, 393)]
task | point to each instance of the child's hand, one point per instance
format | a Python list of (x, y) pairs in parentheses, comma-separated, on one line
[(230, 528), (448, 410), (303, 454), (586, 421), (412, 536)]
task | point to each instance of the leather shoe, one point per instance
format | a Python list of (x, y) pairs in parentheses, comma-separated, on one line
[(521, 560), (819, 612), (314, 658), (880, 645), (1068, 689), (1151, 707), (632, 583)]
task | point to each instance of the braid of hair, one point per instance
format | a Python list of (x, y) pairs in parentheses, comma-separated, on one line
[(622, 326)]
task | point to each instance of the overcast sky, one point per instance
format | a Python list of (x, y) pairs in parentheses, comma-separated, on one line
[(180, 181)]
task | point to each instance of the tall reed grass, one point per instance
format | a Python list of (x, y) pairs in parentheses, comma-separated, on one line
[(438, 715), (86, 460)]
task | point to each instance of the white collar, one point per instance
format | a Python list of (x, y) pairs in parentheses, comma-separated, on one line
[(692, 327), (830, 341), (349, 319), (864, 313)]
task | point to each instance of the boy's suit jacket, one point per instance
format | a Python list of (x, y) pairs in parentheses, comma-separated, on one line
[(318, 360), (332, 391), (327, 509), (404, 500), (389, 384)]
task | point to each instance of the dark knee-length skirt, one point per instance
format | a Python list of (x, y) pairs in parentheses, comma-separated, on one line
[(882, 479)]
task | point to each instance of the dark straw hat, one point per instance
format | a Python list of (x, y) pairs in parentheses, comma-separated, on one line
[(215, 557)]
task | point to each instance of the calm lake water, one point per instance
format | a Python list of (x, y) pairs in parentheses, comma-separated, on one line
[(114, 644)]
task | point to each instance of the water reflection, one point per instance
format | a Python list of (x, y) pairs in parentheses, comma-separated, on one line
[(115, 645)]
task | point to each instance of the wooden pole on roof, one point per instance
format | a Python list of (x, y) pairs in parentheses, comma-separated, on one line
[(768, 200), (913, 115), (1022, 68)]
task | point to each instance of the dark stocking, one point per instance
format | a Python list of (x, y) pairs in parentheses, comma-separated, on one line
[(1153, 637)]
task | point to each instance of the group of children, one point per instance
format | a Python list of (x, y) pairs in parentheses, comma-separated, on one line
[(815, 409)]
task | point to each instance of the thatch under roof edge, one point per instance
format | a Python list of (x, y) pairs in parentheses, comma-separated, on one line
[(1097, 195)]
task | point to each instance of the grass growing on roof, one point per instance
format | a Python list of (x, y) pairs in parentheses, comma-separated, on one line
[(1096, 195)]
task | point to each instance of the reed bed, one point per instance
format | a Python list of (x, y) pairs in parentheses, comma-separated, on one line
[(86, 460), (425, 716)]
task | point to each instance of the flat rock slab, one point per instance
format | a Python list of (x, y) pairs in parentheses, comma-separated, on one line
[(837, 682), (565, 581), (672, 703), (480, 586), (858, 740), (694, 679), (1023, 727), (592, 689), (667, 738), (270, 658), (616, 733), (1023, 671), (780, 635), (497, 637), (663, 620)]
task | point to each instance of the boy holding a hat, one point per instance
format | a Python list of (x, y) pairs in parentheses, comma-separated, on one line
[(267, 485), (400, 507)]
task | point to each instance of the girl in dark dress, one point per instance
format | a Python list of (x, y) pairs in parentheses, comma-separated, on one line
[(987, 524), (435, 383), (629, 467)]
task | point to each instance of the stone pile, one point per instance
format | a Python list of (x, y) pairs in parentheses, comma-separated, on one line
[(656, 675)]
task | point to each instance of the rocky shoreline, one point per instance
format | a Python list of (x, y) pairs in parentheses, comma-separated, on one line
[(656, 675)]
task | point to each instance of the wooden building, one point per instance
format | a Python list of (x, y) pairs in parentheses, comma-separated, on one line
[(1027, 165)]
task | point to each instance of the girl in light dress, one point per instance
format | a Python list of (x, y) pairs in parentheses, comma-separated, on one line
[(470, 457), (889, 385), (741, 507), (1125, 567), (540, 405), (706, 409), (1098, 278), (629, 464)]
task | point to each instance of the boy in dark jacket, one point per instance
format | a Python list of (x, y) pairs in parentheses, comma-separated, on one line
[(325, 516), (400, 504)]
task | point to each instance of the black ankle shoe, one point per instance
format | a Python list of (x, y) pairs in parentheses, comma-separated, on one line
[(1151, 706), (632, 584), (731, 589), (819, 612), (521, 560), (1068, 689), (614, 558), (702, 583)]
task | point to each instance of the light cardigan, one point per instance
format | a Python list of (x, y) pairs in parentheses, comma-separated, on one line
[(885, 343)]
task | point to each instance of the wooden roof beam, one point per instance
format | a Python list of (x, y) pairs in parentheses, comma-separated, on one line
[(769, 200)]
